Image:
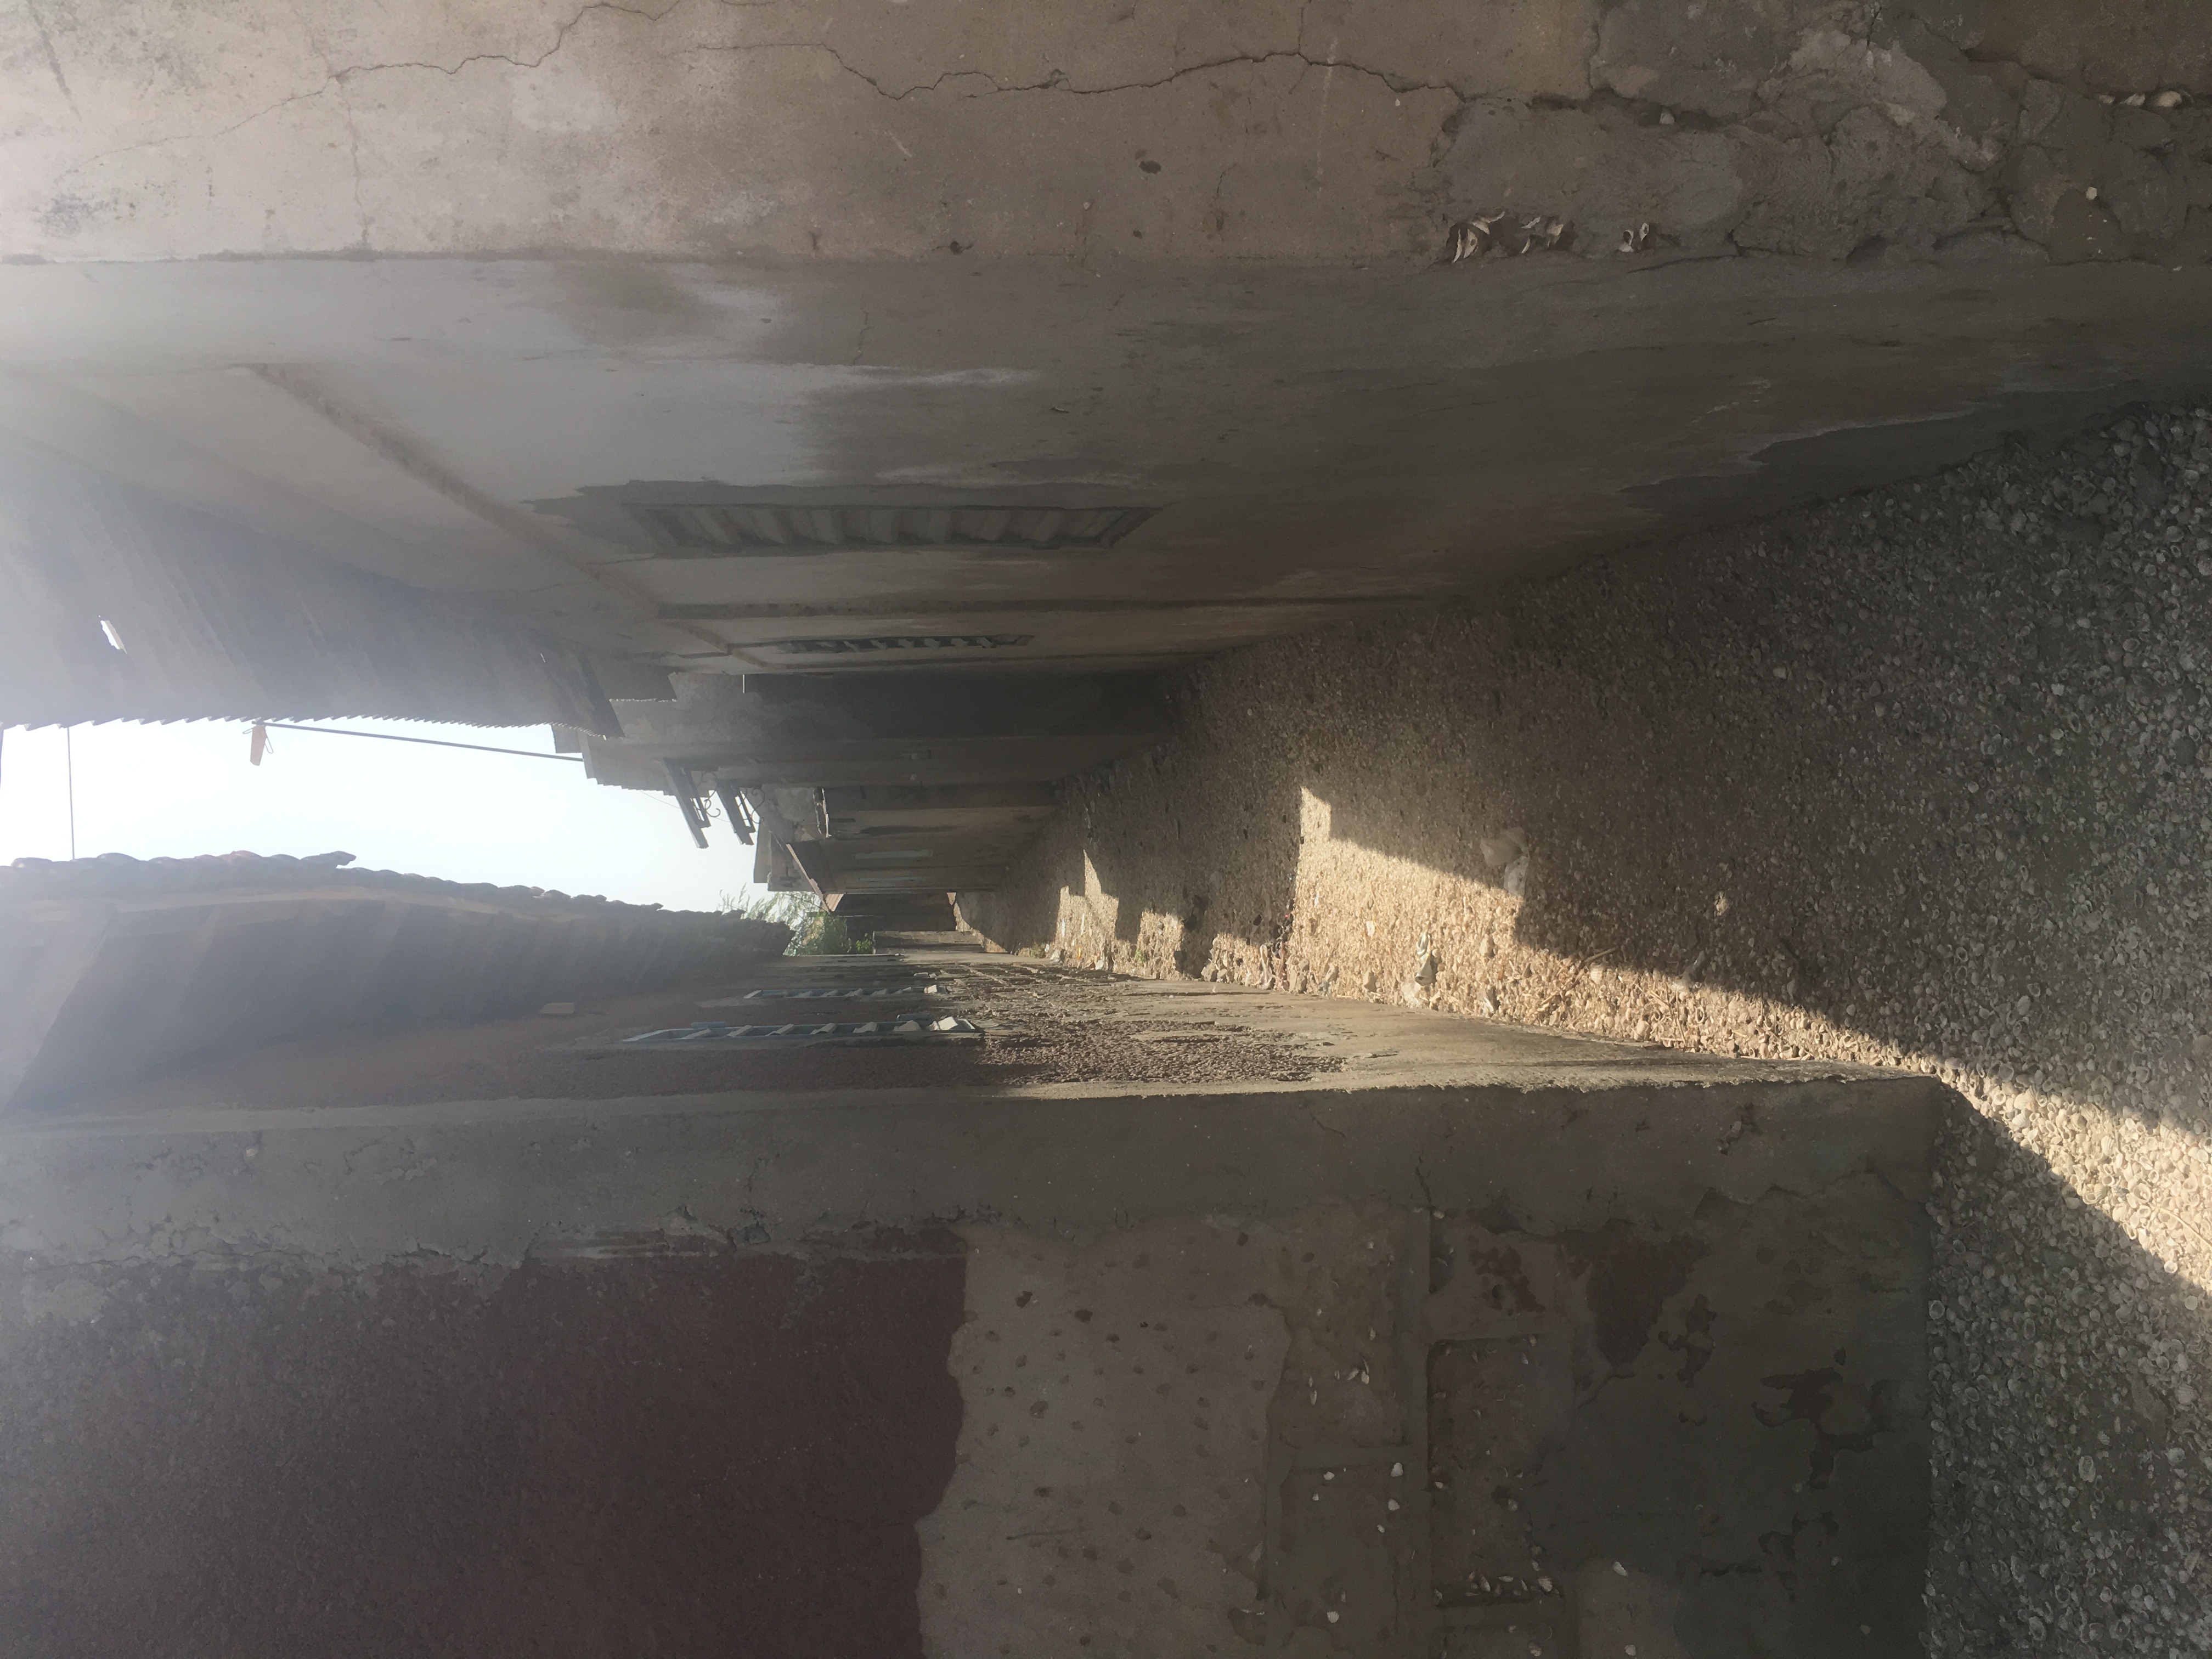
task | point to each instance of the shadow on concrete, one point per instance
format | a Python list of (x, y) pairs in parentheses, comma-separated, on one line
[(2066, 1467)]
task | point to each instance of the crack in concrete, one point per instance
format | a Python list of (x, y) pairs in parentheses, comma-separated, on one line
[(560, 39), (353, 153), (334, 80), (53, 58), (353, 126), (1315, 1115), (1058, 82), (192, 137)]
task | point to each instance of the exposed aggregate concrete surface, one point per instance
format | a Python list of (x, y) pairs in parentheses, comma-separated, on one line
[(1920, 778)]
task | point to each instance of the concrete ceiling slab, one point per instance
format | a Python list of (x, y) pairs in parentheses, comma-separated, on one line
[(1309, 438)]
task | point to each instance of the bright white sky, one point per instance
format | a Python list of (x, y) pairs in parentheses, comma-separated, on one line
[(177, 791)]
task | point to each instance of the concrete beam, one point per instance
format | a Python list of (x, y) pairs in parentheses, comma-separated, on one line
[(1016, 130)]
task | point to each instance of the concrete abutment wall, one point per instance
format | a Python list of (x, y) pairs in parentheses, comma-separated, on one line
[(1486, 1338)]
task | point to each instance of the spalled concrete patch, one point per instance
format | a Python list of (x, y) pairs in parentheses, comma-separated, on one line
[(1711, 59), (1600, 168), (1854, 145), (2117, 46)]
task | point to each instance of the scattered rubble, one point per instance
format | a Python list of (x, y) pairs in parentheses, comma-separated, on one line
[(1506, 234)]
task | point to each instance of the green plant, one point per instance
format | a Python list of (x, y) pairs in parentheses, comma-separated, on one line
[(815, 932)]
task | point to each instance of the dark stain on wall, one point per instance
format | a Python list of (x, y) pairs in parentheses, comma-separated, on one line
[(1810, 1398), (1631, 1276)]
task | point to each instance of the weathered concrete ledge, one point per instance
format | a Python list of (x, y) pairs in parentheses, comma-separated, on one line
[(489, 1182)]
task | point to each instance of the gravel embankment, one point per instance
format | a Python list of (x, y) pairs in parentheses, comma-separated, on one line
[(1923, 778)]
